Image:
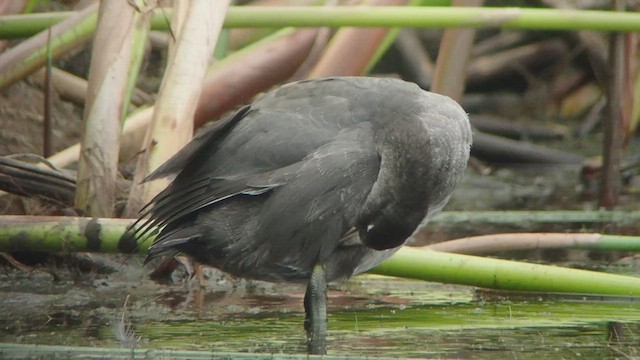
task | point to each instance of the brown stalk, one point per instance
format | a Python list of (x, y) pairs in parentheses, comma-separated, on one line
[(632, 71), (47, 136), (29, 55), (351, 49), (501, 150), (595, 44), (235, 82), (172, 124), (453, 57), (107, 99), (74, 88), (610, 181), (415, 57), (486, 244), (492, 68)]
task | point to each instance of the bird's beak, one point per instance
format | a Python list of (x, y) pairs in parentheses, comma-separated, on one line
[(351, 238)]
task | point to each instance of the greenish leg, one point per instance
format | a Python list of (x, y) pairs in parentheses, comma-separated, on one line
[(315, 307)]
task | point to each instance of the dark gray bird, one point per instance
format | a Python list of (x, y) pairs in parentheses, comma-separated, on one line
[(315, 181)]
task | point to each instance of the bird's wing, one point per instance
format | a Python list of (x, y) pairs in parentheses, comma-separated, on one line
[(187, 200), (302, 222), (308, 206), (196, 149), (279, 129)]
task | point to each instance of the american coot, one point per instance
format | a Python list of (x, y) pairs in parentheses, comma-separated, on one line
[(315, 181)]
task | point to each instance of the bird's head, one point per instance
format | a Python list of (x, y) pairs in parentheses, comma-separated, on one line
[(390, 228)]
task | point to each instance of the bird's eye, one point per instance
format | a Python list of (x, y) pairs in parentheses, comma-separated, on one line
[(369, 227)]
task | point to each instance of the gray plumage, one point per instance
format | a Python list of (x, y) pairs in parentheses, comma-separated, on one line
[(336, 171)]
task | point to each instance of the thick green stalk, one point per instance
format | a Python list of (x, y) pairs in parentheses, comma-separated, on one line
[(21, 26), (433, 17), (64, 233), (16, 26), (614, 243), (526, 218), (68, 234), (26, 57), (108, 235), (503, 274)]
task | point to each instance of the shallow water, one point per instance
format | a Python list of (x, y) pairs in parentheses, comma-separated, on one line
[(368, 316)]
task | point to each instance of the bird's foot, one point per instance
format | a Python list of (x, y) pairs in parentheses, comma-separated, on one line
[(315, 306)]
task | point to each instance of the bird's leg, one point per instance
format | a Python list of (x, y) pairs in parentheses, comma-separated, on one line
[(315, 307)]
